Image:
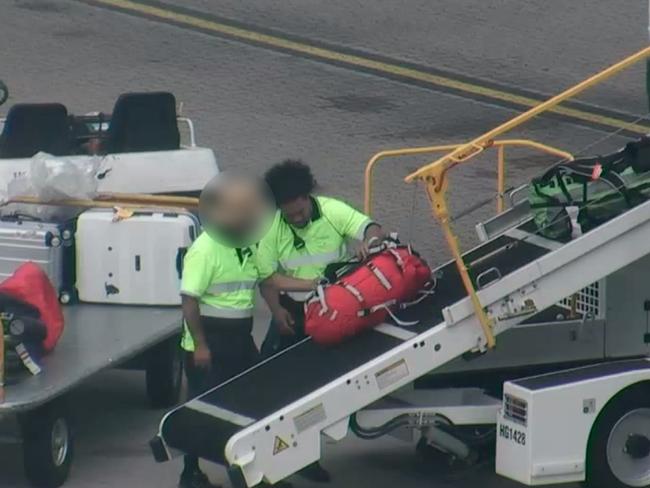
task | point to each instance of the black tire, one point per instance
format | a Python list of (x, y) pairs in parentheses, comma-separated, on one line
[(165, 373), (615, 432), (48, 445), (4, 93)]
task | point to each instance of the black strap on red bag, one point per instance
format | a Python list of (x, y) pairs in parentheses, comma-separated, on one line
[(23, 336)]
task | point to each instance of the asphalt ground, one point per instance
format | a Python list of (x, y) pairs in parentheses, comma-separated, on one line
[(332, 83)]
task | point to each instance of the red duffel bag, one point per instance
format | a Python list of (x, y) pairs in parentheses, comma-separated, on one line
[(30, 285), (366, 295)]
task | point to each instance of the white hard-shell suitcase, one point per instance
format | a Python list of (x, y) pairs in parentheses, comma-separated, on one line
[(135, 261)]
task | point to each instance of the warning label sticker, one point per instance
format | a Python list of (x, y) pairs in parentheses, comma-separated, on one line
[(279, 445), (392, 374), (311, 417)]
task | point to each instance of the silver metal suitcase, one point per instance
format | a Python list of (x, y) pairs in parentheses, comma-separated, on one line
[(50, 245)]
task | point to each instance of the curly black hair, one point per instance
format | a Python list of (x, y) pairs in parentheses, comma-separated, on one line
[(289, 180)]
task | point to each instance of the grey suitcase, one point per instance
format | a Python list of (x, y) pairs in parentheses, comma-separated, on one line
[(50, 245)]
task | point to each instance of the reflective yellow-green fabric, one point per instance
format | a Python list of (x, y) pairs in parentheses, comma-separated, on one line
[(221, 278), (324, 240)]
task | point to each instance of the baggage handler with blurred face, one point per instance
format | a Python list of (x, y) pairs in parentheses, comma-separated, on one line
[(218, 293)]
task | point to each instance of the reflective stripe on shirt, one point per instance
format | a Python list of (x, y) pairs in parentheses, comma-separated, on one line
[(225, 313), (231, 287)]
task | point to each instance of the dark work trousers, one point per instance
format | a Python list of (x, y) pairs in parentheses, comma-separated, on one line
[(274, 342), (233, 351)]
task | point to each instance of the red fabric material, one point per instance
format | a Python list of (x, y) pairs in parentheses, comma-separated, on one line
[(340, 320), (30, 284)]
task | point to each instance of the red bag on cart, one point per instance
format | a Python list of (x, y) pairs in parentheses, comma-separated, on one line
[(365, 296), (31, 286)]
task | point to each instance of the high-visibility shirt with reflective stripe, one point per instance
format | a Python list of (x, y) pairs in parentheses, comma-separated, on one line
[(223, 280), (323, 240)]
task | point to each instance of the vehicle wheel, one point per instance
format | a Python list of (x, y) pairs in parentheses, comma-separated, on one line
[(48, 445), (618, 455), (165, 373), (4, 93)]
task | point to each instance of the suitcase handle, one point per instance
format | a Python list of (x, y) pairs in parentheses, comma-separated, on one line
[(180, 255)]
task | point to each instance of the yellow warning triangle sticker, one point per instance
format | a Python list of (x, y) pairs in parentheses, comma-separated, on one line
[(279, 445)]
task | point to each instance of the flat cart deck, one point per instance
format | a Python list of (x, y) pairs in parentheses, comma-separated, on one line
[(96, 337)]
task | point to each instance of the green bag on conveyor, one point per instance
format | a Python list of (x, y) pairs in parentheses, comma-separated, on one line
[(600, 188)]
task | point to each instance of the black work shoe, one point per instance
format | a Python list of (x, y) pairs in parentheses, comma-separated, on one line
[(195, 479), (316, 473)]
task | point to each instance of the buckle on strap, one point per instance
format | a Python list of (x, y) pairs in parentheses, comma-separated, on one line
[(320, 295), (387, 306), (380, 276), (369, 311), (357, 294), (398, 258), (27, 360)]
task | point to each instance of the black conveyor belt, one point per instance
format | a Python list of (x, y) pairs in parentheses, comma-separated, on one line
[(302, 369)]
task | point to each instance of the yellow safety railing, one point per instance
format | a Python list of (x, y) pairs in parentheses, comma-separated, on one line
[(434, 174), (500, 146)]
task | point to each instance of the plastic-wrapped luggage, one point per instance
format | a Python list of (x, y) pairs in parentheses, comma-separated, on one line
[(594, 189), (366, 295), (51, 178)]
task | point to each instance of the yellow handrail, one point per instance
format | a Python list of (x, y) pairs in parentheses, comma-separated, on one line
[(501, 176), (466, 151), (370, 167), (434, 174)]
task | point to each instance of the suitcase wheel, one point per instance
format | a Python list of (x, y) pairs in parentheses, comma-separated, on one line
[(52, 241)]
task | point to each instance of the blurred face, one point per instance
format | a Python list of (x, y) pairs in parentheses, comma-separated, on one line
[(235, 211), (297, 212)]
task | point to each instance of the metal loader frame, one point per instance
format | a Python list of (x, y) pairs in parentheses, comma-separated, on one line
[(281, 443)]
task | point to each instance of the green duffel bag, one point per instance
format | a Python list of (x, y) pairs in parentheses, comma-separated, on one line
[(599, 188)]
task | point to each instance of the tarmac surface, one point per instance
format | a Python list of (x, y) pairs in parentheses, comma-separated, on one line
[(333, 83)]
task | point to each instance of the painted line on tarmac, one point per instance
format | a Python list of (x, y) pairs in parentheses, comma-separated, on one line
[(405, 72)]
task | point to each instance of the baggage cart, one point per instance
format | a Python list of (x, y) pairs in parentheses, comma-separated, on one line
[(96, 337)]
